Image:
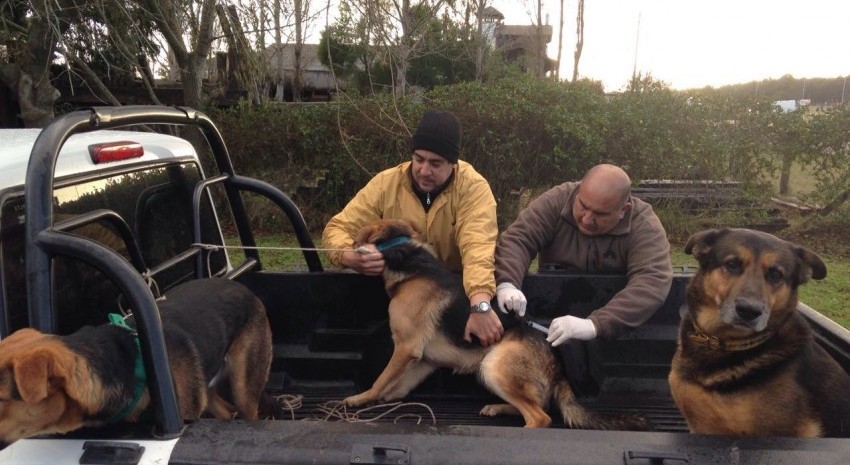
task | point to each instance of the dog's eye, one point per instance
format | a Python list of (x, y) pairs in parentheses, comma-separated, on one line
[(774, 275), (733, 265)]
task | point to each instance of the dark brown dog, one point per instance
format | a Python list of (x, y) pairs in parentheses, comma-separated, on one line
[(746, 362), (214, 329), (428, 312)]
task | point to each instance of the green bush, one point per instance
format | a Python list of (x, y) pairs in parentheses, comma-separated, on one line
[(523, 134)]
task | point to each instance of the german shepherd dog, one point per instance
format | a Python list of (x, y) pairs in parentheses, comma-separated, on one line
[(746, 362), (428, 311), (214, 329)]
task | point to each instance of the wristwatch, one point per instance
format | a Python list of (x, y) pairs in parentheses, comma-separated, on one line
[(482, 307)]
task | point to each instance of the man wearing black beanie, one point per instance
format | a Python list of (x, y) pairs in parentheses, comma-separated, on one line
[(447, 201)]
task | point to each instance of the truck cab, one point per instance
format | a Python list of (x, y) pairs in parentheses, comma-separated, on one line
[(100, 214)]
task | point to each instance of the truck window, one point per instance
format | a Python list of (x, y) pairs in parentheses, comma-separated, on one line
[(155, 202)]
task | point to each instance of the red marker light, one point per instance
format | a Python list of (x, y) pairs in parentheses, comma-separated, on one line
[(115, 151)]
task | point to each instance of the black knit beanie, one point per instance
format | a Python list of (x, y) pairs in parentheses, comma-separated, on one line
[(438, 132)]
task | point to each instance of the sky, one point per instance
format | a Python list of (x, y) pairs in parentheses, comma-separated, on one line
[(697, 43)]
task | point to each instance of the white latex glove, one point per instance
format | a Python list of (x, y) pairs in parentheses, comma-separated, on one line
[(569, 327), (511, 298)]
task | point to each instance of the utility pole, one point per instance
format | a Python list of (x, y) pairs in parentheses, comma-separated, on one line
[(637, 40)]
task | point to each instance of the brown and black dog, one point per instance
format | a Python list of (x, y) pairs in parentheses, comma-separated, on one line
[(428, 312), (215, 329), (747, 363)]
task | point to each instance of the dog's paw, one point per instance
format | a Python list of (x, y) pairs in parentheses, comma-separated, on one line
[(488, 411), (493, 410), (356, 400)]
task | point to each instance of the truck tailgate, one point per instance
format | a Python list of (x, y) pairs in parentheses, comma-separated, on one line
[(311, 442)]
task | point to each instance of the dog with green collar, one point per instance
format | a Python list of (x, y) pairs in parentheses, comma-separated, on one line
[(214, 329)]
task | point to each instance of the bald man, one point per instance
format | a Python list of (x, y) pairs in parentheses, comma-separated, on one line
[(592, 226)]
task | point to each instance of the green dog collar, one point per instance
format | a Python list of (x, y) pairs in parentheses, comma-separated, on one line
[(139, 371), (392, 243)]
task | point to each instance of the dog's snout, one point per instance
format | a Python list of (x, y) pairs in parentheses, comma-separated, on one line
[(748, 309)]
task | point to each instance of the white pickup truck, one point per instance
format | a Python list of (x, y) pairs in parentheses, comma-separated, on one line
[(95, 219)]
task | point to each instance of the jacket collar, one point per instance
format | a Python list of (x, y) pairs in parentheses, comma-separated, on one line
[(437, 194)]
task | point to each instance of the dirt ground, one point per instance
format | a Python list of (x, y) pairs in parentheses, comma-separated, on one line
[(829, 236)]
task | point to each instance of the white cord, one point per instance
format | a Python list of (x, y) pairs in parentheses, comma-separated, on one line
[(360, 249)]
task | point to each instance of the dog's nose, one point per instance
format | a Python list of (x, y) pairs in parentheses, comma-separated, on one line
[(748, 309)]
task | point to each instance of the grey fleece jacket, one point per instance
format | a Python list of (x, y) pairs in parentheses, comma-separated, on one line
[(636, 247)]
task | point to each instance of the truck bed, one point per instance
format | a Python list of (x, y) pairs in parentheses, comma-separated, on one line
[(332, 340)]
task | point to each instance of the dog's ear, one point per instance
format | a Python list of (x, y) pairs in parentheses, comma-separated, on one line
[(405, 228), (812, 267), (363, 235), (32, 375), (701, 243), (40, 370)]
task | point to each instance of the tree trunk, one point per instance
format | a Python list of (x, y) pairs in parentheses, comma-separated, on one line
[(190, 63), (36, 97), (560, 41), (480, 40), (29, 78), (837, 202), (785, 174), (541, 44), (192, 77), (404, 48), (297, 75), (579, 38), (280, 85)]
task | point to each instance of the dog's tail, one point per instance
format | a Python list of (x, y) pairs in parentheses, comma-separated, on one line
[(576, 416)]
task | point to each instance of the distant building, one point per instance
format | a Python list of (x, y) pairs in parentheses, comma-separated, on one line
[(318, 82), (792, 105), (522, 44)]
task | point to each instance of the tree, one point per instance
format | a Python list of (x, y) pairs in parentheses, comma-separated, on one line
[(292, 22), (443, 43), (828, 157), (30, 40), (478, 34), (396, 30), (90, 41), (789, 136), (346, 48), (187, 27)]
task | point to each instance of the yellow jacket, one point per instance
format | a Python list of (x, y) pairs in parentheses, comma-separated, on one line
[(460, 225)]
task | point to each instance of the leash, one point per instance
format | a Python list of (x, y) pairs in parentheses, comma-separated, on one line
[(118, 320), (361, 250), (215, 247)]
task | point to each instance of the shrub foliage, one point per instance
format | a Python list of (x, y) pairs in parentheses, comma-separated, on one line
[(524, 135)]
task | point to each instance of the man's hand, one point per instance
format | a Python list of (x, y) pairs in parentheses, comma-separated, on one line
[(485, 326), (511, 299), (365, 260), (569, 327)]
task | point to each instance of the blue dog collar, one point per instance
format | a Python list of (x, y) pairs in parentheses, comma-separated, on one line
[(392, 243)]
